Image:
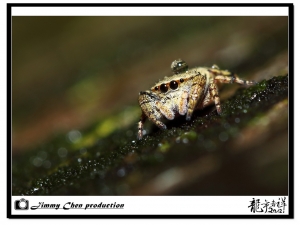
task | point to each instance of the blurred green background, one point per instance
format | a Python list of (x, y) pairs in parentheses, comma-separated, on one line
[(75, 84)]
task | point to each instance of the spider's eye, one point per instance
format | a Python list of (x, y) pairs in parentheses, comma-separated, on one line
[(173, 84), (156, 88), (181, 80), (163, 88)]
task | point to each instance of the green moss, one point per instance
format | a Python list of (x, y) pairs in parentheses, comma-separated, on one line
[(108, 160)]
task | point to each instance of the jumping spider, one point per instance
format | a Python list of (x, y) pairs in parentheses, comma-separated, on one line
[(182, 93)]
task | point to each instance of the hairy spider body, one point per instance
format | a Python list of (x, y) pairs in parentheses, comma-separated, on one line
[(182, 93)]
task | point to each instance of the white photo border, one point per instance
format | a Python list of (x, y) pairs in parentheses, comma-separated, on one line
[(158, 206)]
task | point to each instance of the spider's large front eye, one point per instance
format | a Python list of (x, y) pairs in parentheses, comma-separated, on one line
[(173, 84), (163, 88)]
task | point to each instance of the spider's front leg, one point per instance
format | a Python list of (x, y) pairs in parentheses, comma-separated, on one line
[(152, 109), (196, 94)]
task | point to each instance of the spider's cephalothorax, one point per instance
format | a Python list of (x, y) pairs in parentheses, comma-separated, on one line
[(182, 93)]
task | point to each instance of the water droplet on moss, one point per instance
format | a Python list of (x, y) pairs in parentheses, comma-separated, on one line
[(62, 152), (37, 161), (121, 172), (185, 140), (164, 146), (191, 135), (74, 136), (226, 125)]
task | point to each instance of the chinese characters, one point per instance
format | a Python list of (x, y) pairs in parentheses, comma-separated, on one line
[(256, 206)]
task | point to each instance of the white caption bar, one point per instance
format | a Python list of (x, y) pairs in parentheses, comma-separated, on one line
[(150, 11), (149, 205)]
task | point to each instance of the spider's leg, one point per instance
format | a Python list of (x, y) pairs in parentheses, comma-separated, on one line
[(214, 95), (141, 125), (224, 76), (148, 103), (197, 92), (182, 107), (165, 110)]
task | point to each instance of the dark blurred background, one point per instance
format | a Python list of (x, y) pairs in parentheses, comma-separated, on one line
[(68, 72)]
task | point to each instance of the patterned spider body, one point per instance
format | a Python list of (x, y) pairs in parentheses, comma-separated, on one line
[(182, 93)]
